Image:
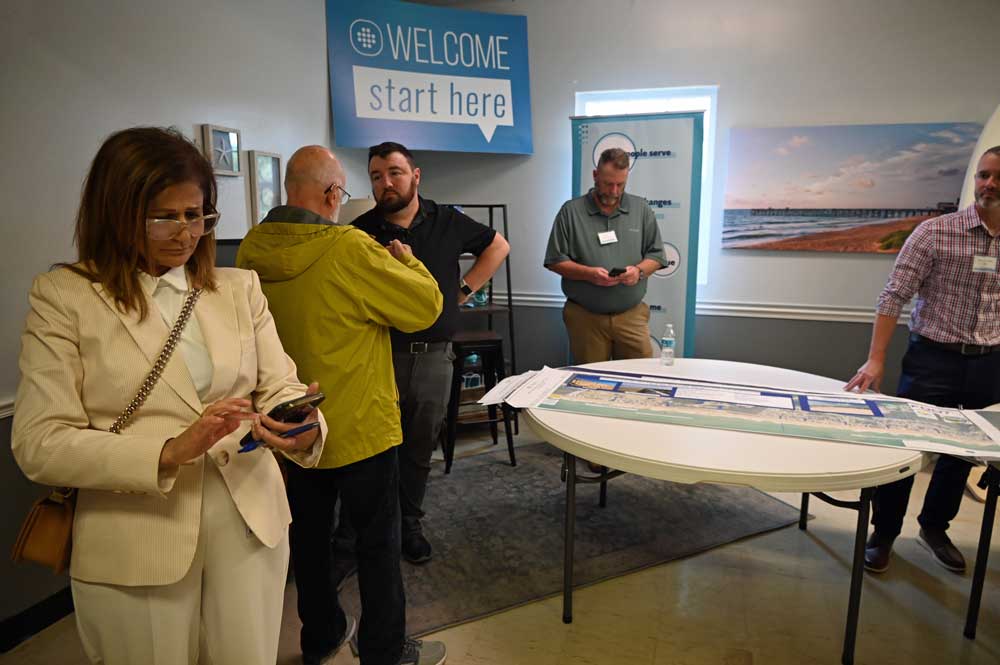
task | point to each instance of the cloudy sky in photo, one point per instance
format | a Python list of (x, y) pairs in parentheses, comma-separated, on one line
[(849, 166)]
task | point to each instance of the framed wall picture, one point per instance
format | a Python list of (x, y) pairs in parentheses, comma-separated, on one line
[(265, 182), (841, 188), (222, 148)]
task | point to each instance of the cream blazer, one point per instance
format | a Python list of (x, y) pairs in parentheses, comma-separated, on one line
[(82, 361)]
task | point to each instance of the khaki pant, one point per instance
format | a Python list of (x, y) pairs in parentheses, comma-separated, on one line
[(226, 609), (598, 337)]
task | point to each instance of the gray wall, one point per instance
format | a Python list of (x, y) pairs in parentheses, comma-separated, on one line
[(75, 71)]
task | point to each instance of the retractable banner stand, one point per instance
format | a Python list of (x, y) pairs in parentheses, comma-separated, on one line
[(431, 78), (664, 168)]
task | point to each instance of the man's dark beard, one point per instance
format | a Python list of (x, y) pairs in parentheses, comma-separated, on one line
[(401, 201)]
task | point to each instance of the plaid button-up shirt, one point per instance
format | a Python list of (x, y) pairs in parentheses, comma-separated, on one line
[(954, 303)]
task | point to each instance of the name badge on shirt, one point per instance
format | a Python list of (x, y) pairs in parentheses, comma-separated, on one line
[(608, 237), (984, 263)]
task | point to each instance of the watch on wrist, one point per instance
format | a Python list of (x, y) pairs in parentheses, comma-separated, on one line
[(465, 288)]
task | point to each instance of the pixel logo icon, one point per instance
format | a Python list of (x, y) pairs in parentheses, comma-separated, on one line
[(366, 37)]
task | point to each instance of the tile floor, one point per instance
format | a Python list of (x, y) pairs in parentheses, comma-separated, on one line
[(769, 600)]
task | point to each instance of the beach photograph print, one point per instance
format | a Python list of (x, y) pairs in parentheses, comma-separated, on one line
[(841, 188)]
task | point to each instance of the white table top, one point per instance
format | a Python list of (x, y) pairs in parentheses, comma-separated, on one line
[(695, 454)]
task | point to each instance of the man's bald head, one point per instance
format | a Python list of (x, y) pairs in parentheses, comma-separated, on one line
[(312, 178)]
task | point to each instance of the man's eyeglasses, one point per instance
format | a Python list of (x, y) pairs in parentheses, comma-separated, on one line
[(344, 196), (197, 226)]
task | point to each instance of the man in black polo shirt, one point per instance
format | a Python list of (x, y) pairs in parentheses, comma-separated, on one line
[(437, 235)]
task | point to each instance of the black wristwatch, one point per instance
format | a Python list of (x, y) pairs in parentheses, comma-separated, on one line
[(465, 288)]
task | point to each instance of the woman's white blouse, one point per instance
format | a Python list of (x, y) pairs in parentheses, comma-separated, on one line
[(169, 291)]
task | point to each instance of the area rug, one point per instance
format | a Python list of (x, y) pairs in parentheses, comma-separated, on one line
[(497, 533)]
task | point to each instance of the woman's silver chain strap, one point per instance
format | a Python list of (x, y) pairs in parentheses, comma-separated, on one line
[(159, 365)]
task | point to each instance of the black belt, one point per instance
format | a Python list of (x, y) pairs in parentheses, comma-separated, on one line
[(956, 347), (419, 347)]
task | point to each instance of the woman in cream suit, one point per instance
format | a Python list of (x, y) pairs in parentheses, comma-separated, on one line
[(180, 543)]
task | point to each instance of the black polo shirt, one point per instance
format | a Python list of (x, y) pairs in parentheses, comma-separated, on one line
[(438, 235)]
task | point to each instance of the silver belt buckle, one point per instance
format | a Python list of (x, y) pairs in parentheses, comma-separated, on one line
[(979, 349), (418, 347)]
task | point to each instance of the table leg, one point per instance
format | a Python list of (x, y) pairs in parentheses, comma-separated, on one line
[(570, 525), (603, 500), (857, 575), (804, 511), (985, 534)]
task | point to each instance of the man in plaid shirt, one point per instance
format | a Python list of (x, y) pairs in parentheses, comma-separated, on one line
[(953, 358)]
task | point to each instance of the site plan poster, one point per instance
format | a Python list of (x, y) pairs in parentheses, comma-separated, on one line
[(870, 419)]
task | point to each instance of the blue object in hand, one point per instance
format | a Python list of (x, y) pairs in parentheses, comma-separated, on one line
[(253, 445)]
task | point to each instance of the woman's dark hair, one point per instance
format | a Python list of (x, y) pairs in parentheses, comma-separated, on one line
[(131, 168)]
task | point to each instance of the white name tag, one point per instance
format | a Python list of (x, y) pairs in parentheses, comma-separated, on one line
[(984, 263), (608, 237)]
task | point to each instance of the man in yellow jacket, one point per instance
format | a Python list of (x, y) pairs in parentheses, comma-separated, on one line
[(334, 293)]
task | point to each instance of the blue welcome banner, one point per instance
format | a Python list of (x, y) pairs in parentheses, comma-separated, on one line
[(427, 77)]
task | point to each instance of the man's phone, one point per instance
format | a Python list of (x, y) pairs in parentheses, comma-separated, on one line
[(614, 272), (293, 411)]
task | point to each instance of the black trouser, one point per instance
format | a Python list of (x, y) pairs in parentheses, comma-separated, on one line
[(368, 492), (943, 378), (424, 384)]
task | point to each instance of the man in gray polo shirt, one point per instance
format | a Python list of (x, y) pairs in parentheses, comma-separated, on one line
[(593, 238)]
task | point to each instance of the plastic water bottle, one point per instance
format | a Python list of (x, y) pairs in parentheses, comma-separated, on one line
[(667, 345)]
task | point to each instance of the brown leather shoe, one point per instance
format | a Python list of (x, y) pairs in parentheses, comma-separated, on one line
[(945, 553), (877, 553)]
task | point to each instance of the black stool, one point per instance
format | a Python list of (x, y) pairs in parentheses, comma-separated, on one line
[(489, 347)]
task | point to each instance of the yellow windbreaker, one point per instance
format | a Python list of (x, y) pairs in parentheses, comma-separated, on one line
[(334, 293)]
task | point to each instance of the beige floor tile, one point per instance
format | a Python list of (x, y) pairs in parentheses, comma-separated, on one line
[(700, 651), (59, 643), (703, 603)]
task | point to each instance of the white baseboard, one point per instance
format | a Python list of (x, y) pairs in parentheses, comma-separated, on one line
[(759, 310), (752, 310), (527, 299)]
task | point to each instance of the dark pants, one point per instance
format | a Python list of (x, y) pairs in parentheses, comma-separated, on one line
[(943, 378), (424, 384), (368, 495)]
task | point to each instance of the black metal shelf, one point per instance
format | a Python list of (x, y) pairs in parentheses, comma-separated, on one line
[(497, 214)]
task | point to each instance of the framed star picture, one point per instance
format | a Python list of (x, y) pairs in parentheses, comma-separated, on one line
[(222, 148), (265, 182)]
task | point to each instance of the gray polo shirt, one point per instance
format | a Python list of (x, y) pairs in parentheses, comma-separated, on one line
[(574, 237)]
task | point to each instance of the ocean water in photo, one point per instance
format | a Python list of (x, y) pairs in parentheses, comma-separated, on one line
[(741, 228)]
